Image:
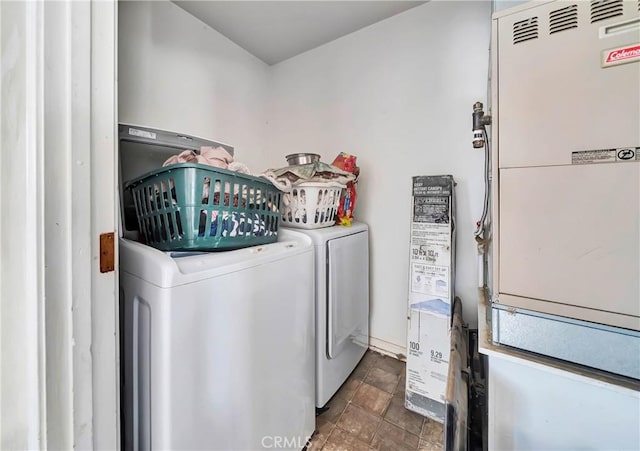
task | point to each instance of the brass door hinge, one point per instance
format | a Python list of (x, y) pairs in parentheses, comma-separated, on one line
[(107, 252)]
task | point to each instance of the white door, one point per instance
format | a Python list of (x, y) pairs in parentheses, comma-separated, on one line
[(59, 355)]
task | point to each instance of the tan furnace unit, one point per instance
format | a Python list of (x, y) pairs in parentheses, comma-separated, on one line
[(566, 159)]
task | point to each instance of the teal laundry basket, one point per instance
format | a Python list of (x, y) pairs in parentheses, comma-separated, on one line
[(195, 207)]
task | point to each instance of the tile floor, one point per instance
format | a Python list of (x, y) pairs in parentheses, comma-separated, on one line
[(368, 413)]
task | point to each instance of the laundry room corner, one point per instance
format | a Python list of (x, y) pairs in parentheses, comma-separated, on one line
[(179, 74), (396, 94), (406, 117)]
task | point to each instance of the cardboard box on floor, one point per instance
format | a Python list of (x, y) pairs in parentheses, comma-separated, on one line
[(431, 293)]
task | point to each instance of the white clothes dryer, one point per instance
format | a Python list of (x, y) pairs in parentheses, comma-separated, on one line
[(342, 303)]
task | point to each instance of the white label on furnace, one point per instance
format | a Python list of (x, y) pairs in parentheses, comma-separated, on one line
[(622, 154), (142, 133), (430, 279)]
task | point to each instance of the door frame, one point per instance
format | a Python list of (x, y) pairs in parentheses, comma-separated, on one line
[(59, 376)]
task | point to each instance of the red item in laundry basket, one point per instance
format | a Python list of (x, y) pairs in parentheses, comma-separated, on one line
[(347, 163)]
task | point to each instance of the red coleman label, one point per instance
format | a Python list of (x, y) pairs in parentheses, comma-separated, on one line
[(621, 55)]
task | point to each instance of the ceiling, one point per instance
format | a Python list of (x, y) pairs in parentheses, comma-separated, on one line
[(277, 30)]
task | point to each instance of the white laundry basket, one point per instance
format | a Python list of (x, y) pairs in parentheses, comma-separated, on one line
[(311, 205)]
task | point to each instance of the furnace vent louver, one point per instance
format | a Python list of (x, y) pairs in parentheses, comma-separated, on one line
[(605, 9), (563, 19), (525, 30)]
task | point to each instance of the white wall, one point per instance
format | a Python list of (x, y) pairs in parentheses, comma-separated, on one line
[(499, 5), (176, 73), (399, 95)]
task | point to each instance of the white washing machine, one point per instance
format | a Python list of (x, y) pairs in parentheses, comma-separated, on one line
[(217, 348), (342, 303)]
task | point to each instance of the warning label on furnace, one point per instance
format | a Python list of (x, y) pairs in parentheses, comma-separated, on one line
[(622, 154)]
